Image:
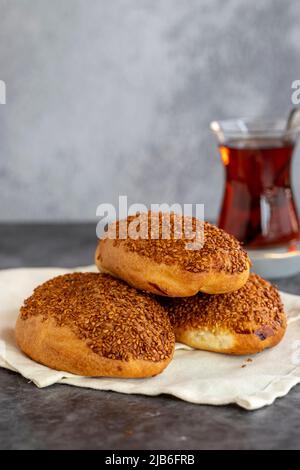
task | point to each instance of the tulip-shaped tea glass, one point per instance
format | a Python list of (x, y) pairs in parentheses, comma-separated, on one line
[(258, 205)]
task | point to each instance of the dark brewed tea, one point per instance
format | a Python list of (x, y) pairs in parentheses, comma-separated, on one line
[(258, 205)]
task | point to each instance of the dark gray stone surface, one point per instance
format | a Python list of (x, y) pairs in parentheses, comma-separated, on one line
[(65, 417)]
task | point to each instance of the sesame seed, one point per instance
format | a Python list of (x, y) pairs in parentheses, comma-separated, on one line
[(257, 304), (220, 250), (115, 320)]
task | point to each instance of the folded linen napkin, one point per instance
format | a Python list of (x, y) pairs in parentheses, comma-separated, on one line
[(194, 376)]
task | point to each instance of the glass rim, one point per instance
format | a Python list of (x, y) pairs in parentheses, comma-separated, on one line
[(253, 126)]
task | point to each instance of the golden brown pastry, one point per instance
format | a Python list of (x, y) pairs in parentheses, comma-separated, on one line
[(95, 325), (241, 322), (165, 266)]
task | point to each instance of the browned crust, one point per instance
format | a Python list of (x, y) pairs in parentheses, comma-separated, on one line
[(116, 320), (162, 279), (59, 348), (242, 322), (166, 238)]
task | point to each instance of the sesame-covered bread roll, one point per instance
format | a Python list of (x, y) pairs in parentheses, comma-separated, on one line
[(241, 322), (95, 325), (165, 266)]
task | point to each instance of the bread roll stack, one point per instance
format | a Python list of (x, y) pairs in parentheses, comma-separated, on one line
[(151, 290), (213, 302)]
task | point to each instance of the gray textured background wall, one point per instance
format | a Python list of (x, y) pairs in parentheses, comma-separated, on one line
[(108, 97)]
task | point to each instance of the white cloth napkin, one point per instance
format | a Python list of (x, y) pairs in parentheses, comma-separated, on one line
[(193, 376)]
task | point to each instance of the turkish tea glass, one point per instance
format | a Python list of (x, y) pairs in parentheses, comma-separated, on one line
[(258, 205)]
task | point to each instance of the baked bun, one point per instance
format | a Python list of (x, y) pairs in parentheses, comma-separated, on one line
[(165, 266), (242, 322), (94, 325)]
